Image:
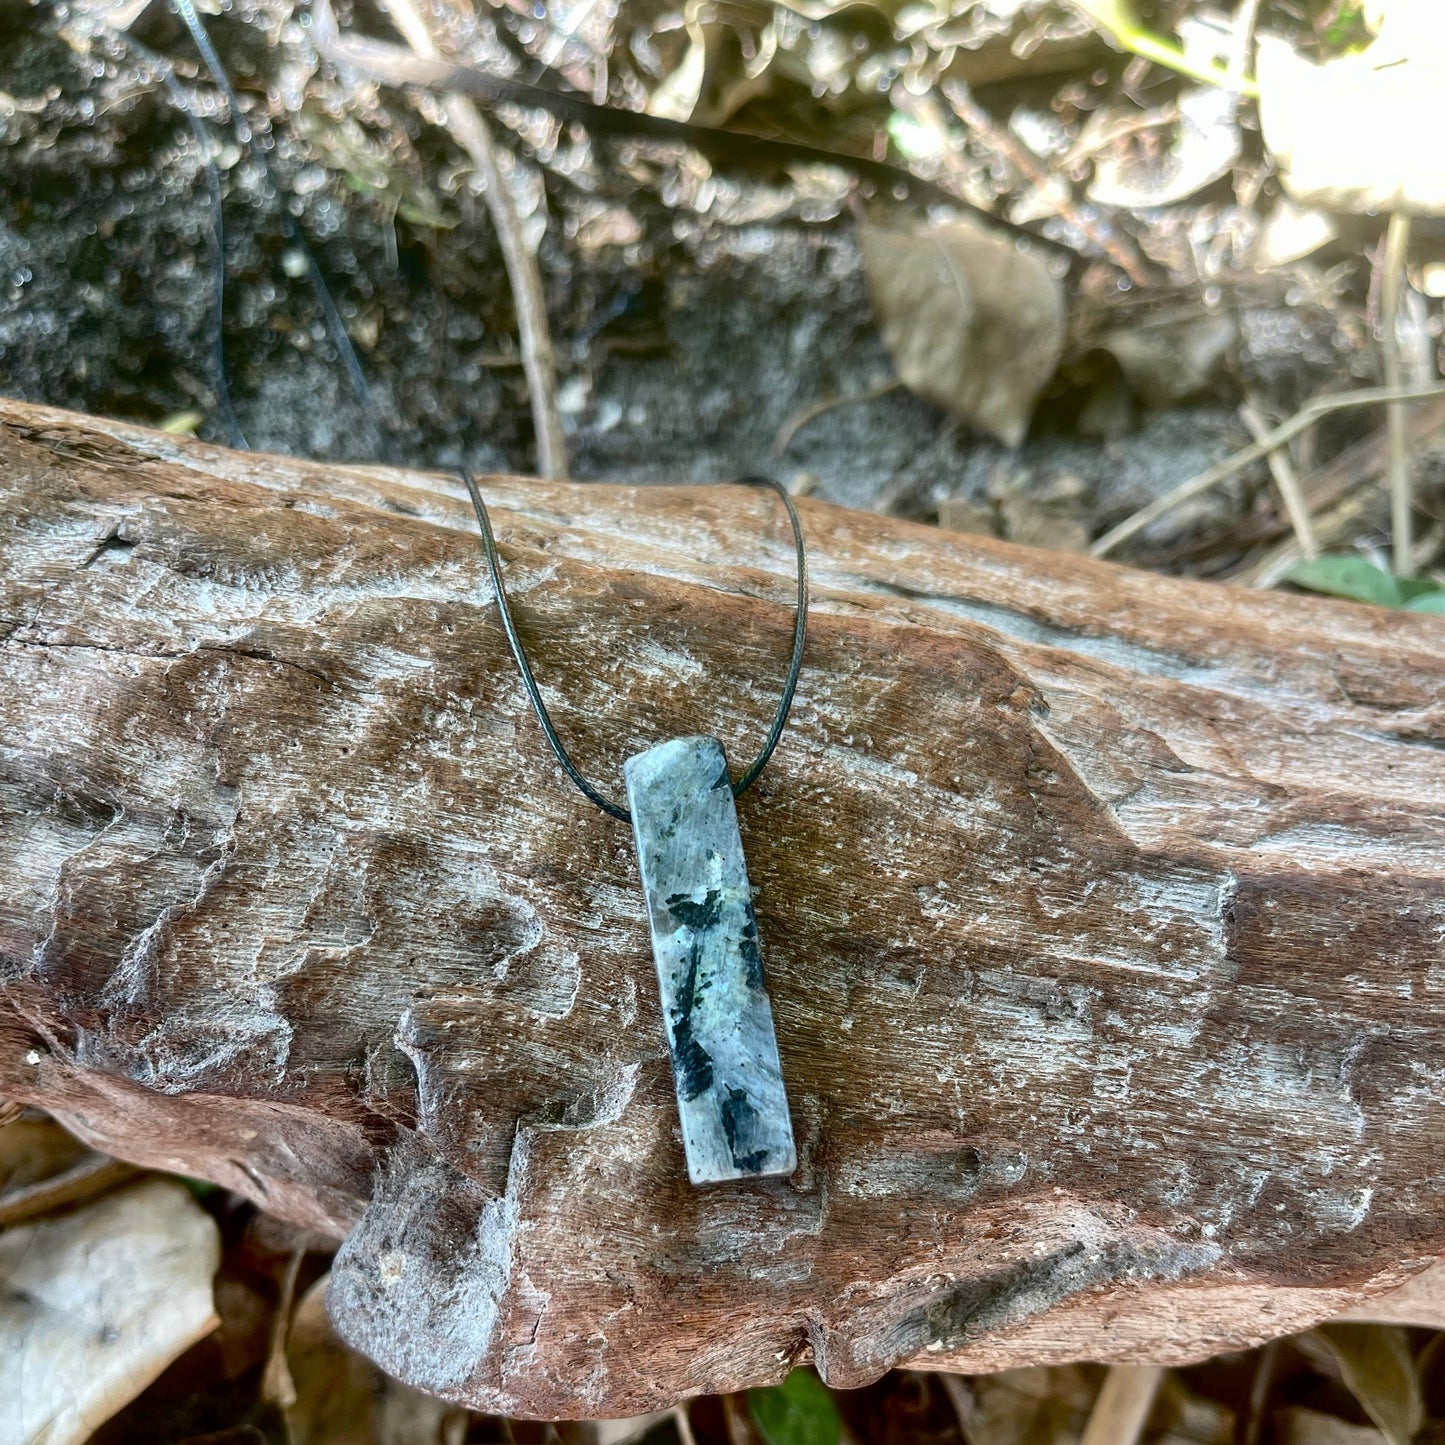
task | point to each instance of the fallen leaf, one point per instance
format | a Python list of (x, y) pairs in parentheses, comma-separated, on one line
[(1171, 362), (34, 1147), (1205, 145), (1039, 1406), (1361, 133), (1378, 1366), (1034, 524), (1297, 1426), (974, 324), (1290, 233), (341, 1398), (95, 1303)]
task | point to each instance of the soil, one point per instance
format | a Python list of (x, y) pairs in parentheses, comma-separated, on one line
[(683, 348)]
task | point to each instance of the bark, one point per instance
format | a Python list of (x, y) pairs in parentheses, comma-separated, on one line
[(1103, 913)]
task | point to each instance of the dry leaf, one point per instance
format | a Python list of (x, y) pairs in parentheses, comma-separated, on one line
[(1206, 144), (1376, 1363), (974, 324), (1034, 524), (1173, 361), (95, 1303), (1361, 133), (34, 1147), (957, 514), (342, 1398), (1290, 233), (1297, 1426), (1042, 1406)]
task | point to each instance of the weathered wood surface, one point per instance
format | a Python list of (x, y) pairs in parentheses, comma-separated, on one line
[(1105, 919)]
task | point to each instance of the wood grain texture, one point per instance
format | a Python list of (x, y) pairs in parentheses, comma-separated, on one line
[(1105, 918)]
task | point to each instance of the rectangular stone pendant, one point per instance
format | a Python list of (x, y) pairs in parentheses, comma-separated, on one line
[(735, 1121)]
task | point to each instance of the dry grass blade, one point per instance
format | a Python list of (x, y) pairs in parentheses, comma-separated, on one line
[(1392, 265), (1335, 494), (474, 136), (1287, 480), (1231, 466)]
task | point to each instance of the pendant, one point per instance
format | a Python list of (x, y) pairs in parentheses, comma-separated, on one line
[(730, 1096)]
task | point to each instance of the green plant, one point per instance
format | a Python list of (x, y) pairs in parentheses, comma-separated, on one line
[(800, 1411), (1344, 574)]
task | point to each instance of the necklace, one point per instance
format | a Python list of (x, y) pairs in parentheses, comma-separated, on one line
[(681, 805)]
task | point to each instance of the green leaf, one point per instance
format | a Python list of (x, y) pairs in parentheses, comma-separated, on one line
[(800, 1411), (1346, 575), (1413, 587), (1430, 602), (1348, 31)]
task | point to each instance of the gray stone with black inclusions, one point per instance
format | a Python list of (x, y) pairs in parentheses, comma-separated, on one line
[(730, 1096)]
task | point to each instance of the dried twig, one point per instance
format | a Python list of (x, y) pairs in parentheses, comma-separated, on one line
[(737, 1427), (1392, 267), (961, 1398), (683, 1421), (1333, 495), (998, 138), (475, 137), (1286, 479), (815, 409), (1123, 1406), (1231, 466), (1259, 1392), (277, 1385)]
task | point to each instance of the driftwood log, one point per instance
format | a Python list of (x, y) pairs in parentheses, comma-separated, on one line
[(1104, 918)]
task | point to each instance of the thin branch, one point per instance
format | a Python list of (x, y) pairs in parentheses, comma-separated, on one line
[(1123, 1406), (1287, 480), (1232, 466), (277, 1385), (1392, 266), (683, 1421), (1001, 140), (960, 1396), (475, 137), (1259, 1392), (815, 409), (1333, 495)]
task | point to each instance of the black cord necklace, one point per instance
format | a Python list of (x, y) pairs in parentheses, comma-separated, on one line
[(729, 1082)]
